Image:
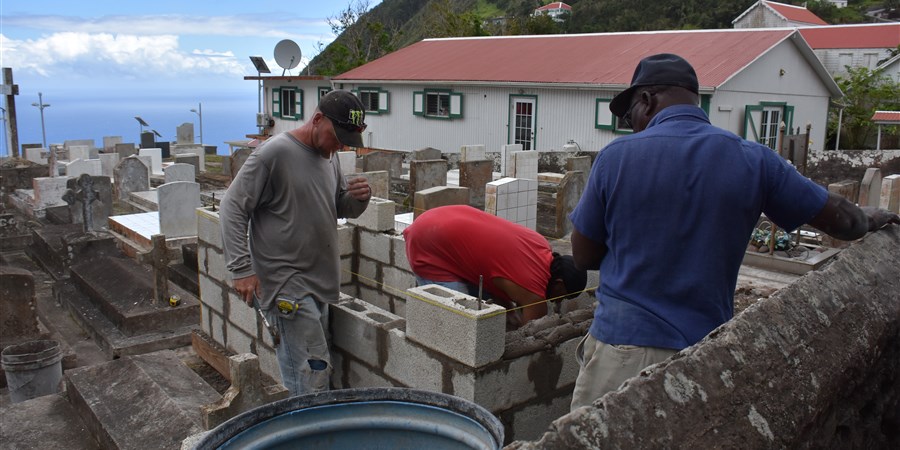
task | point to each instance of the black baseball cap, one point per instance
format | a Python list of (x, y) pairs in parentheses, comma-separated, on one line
[(348, 115), (662, 69)]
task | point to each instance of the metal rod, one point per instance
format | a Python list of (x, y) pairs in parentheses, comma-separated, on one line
[(480, 287)]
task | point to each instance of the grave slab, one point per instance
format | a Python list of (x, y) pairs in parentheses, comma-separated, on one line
[(890, 193), (144, 401), (178, 203), (427, 174), (870, 189), (180, 172), (49, 422), (439, 196), (426, 154)]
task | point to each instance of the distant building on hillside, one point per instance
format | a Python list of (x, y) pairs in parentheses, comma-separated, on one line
[(556, 11), (765, 14), (858, 45), (838, 3)]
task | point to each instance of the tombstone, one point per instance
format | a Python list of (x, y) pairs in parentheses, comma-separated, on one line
[(77, 167), (238, 158), (164, 149), (108, 162), (48, 192), (471, 153), (567, 196), (184, 133), (506, 163), (36, 155), (180, 172), (110, 142), (125, 150), (158, 257), (475, 175), (18, 309), (191, 149), (438, 196), (178, 203), (890, 193), (148, 140), (427, 174), (426, 153), (579, 164), (390, 161), (131, 175), (380, 182), (525, 164), (78, 152), (155, 155), (848, 189), (192, 159), (89, 143), (87, 205), (870, 190), (347, 161), (52, 159), (513, 199)]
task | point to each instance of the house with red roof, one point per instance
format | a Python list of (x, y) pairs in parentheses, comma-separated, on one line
[(765, 14), (859, 45), (544, 92), (556, 11)]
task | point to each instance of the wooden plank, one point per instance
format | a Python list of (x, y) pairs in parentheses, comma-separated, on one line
[(211, 352)]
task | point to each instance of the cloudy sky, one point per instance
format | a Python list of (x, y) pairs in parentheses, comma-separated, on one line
[(129, 50)]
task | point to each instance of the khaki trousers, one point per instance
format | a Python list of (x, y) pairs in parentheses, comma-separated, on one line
[(604, 367)]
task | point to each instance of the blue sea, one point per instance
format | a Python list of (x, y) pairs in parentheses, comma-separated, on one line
[(227, 116)]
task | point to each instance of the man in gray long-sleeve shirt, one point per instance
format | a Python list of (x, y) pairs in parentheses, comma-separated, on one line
[(289, 194)]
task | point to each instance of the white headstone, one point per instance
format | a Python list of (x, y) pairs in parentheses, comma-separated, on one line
[(48, 191), (108, 162), (79, 152), (506, 163), (155, 155), (184, 133), (471, 153), (80, 166), (178, 203), (109, 143), (179, 172), (526, 165), (348, 161), (36, 155), (196, 149)]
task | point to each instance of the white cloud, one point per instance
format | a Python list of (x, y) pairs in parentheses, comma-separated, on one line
[(89, 55)]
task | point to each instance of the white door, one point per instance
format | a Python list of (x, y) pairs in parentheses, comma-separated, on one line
[(522, 122)]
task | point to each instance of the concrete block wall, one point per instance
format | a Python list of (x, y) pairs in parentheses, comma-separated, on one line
[(527, 386), (814, 366), (224, 317), (383, 270)]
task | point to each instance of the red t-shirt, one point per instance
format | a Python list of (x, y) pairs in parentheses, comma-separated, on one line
[(458, 243)]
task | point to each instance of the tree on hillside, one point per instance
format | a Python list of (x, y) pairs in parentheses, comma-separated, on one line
[(441, 20), (865, 92), (360, 39)]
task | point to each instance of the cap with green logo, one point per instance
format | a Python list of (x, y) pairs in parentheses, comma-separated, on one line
[(347, 114)]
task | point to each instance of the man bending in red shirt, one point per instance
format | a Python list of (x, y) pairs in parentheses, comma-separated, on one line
[(453, 245)]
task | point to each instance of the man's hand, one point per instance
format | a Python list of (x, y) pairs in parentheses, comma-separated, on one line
[(878, 217), (246, 287), (359, 188)]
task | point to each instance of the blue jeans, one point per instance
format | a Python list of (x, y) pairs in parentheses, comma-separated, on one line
[(303, 355)]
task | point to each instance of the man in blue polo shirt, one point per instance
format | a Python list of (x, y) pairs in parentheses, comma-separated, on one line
[(666, 216)]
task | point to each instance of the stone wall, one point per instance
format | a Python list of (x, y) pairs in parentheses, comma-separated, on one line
[(830, 166), (817, 365)]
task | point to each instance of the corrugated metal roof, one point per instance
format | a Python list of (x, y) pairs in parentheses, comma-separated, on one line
[(554, 5), (796, 13), (887, 117), (882, 35), (605, 59)]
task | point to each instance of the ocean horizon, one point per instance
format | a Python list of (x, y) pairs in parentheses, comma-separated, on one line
[(226, 117)]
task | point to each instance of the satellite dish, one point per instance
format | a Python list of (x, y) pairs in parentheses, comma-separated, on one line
[(287, 54)]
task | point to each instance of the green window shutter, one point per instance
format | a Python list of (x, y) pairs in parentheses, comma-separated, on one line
[(298, 102), (704, 103), (456, 105), (383, 99), (789, 118), (750, 132), (604, 119), (419, 103), (276, 102)]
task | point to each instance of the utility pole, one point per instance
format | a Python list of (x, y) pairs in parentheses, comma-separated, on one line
[(9, 92)]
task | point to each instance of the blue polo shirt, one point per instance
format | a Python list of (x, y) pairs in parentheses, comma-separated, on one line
[(675, 205)]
